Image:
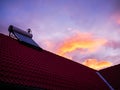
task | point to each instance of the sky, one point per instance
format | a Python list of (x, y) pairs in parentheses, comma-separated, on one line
[(84, 31)]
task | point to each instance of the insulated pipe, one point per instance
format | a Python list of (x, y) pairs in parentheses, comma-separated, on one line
[(15, 29)]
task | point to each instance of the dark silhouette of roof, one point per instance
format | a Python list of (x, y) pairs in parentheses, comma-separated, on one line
[(112, 75), (24, 67)]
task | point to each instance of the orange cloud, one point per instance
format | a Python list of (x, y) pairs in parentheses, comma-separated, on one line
[(84, 41), (97, 65), (86, 44)]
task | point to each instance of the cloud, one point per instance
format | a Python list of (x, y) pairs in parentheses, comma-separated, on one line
[(85, 48), (85, 43), (113, 44), (97, 65)]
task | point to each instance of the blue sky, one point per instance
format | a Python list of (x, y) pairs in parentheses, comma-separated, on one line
[(55, 22)]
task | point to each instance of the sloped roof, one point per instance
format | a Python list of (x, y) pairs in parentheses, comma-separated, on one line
[(23, 65), (112, 75)]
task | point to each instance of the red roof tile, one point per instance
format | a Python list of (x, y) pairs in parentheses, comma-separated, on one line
[(27, 66)]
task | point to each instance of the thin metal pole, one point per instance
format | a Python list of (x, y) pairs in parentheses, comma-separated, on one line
[(111, 88)]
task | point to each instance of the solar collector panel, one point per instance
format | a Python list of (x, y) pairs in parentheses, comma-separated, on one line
[(25, 39), (22, 36)]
